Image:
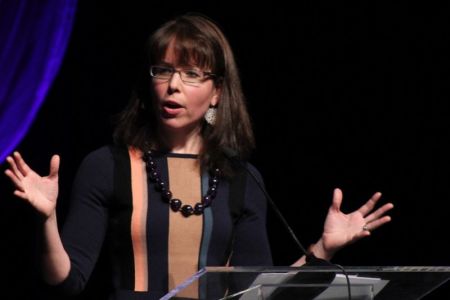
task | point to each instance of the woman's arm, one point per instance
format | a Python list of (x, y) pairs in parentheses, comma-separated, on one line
[(41, 192)]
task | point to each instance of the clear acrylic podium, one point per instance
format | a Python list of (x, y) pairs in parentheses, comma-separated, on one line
[(308, 282)]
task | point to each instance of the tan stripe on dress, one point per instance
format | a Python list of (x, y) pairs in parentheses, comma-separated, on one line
[(139, 220), (184, 233)]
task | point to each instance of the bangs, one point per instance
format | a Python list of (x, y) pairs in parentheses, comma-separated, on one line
[(190, 47)]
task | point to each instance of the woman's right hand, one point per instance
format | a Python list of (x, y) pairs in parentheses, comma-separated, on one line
[(40, 191)]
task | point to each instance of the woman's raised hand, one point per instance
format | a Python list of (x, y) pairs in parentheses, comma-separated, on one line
[(341, 229), (40, 191)]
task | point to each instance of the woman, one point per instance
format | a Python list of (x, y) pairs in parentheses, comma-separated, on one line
[(165, 199)]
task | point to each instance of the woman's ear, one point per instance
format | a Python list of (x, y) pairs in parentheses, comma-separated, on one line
[(216, 97)]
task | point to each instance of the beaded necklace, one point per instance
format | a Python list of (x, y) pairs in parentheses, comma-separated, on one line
[(176, 204)]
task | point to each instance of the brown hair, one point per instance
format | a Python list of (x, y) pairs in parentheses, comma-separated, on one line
[(199, 40)]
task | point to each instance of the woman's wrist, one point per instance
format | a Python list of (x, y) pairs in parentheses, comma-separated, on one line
[(318, 250)]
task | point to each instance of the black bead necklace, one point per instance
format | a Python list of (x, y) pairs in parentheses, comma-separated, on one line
[(176, 204)]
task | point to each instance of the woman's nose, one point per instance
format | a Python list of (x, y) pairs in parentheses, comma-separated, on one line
[(175, 81)]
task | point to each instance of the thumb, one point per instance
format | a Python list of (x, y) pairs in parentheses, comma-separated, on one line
[(54, 166), (337, 199)]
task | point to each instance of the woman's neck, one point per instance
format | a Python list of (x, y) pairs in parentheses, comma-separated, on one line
[(190, 142)]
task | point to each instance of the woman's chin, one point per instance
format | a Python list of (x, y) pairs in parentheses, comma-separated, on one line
[(174, 124)]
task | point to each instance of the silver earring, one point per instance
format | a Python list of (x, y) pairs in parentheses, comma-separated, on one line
[(210, 116)]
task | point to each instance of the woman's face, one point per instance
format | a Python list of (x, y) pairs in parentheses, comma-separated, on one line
[(181, 106)]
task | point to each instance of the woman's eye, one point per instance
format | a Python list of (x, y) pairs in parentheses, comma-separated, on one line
[(192, 73), (164, 71)]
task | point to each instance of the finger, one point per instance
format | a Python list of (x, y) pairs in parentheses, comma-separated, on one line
[(337, 200), (369, 205), (23, 167), (362, 234), (377, 223), (54, 166), (14, 179), (20, 194), (379, 212), (14, 169)]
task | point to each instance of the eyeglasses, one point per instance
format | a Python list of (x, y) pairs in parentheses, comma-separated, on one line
[(187, 75)]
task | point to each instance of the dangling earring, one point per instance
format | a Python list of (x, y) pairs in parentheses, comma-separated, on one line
[(210, 116)]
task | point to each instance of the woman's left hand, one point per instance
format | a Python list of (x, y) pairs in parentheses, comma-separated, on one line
[(342, 229)]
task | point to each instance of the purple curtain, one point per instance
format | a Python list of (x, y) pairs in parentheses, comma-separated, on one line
[(33, 39)]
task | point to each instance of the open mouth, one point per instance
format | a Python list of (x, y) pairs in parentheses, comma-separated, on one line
[(171, 109), (172, 105)]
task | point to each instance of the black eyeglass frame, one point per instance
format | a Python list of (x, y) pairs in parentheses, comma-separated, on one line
[(204, 75)]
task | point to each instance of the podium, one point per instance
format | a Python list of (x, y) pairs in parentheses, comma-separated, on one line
[(309, 282)]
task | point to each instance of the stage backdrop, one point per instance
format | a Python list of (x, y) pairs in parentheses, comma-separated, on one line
[(341, 95)]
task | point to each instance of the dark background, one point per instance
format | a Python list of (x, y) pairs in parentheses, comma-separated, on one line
[(345, 95)]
